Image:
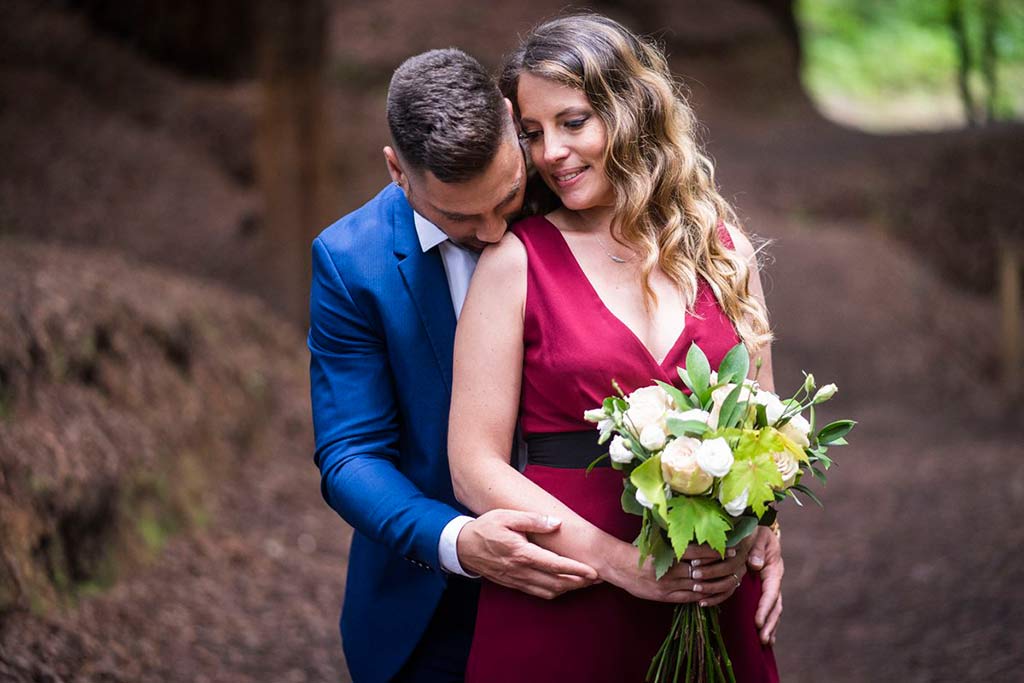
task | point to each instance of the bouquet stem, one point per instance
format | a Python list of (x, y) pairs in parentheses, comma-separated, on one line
[(693, 647)]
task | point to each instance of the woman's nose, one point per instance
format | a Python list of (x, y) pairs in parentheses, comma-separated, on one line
[(554, 149)]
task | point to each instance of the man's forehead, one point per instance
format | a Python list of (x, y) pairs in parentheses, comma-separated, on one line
[(499, 185)]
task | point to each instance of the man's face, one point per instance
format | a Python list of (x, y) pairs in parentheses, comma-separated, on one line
[(473, 213)]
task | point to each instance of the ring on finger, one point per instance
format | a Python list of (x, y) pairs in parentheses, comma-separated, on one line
[(738, 580)]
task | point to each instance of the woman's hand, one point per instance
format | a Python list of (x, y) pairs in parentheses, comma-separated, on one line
[(701, 576)]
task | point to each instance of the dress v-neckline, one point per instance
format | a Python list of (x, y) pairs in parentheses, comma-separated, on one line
[(610, 314)]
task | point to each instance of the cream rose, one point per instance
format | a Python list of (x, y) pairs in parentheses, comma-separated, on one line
[(594, 415), (680, 469), (618, 451), (737, 505), (797, 430), (647, 405), (788, 467), (714, 457)]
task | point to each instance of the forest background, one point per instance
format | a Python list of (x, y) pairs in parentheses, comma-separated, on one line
[(166, 164)]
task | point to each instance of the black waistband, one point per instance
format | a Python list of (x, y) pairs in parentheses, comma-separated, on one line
[(571, 450)]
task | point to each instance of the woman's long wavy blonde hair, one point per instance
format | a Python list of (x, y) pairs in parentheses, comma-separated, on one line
[(667, 208)]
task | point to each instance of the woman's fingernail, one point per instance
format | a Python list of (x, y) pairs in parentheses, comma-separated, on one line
[(696, 575), (694, 563), (703, 603), (730, 553), (697, 588), (756, 560)]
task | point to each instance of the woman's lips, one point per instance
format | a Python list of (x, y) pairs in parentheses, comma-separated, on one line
[(570, 177)]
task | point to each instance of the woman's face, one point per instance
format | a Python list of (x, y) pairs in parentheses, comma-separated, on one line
[(566, 140)]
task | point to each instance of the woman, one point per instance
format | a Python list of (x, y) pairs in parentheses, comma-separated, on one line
[(629, 266)]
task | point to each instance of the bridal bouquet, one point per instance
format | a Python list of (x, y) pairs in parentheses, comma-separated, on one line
[(707, 467)]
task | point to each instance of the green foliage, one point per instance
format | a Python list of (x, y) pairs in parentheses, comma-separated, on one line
[(647, 478), (755, 470), (695, 517), (735, 365), (880, 50)]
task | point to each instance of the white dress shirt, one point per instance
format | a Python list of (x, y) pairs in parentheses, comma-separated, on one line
[(459, 265)]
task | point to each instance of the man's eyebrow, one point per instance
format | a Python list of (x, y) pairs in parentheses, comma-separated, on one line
[(512, 193), (452, 216)]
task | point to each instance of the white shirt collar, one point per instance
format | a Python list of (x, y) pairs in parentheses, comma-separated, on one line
[(430, 235)]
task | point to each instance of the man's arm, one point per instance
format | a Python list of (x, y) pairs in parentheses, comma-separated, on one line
[(355, 419)]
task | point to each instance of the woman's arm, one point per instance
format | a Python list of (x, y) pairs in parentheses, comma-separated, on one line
[(485, 403)]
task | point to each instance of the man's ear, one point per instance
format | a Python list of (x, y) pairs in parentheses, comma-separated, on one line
[(395, 168), (511, 113)]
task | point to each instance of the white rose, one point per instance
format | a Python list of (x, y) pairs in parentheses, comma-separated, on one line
[(714, 457), (643, 500), (788, 467), (737, 505), (694, 414), (604, 425), (773, 406), (718, 397), (797, 431), (646, 406), (680, 469), (594, 415), (652, 437), (618, 451)]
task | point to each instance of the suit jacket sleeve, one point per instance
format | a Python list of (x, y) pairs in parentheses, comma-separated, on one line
[(355, 419)]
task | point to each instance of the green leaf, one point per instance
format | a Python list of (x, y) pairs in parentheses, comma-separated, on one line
[(686, 427), (839, 442), (742, 527), (694, 517), (685, 376), (699, 370), (629, 502), (835, 430), (664, 558), (761, 414), (807, 492), (732, 408), (754, 470), (648, 479), (735, 365), (682, 403)]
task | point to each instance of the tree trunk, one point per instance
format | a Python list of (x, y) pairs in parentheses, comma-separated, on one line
[(292, 155), (956, 25), (990, 11)]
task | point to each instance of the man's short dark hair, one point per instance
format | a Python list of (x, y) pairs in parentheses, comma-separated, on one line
[(446, 114)]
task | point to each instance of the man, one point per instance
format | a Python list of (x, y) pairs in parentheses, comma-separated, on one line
[(388, 284)]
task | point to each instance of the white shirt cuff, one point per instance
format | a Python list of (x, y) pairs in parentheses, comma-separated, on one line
[(447, 548)]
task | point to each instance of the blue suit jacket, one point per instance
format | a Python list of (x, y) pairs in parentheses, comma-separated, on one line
[(381, 336)]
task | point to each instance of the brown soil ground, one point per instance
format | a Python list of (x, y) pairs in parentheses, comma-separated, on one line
[(910, 572)]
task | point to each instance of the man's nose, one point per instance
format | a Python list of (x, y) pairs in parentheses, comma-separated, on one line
[(493, 230)]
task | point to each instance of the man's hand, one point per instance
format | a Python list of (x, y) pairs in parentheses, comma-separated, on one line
[(766, 557), (495, 546)]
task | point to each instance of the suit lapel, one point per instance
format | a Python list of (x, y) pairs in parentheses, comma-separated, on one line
[(424, 277)]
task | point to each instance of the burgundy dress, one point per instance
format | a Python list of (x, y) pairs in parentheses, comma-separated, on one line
[(573, 347)]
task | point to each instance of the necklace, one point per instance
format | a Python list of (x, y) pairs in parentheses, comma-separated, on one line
[(613, 257)]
